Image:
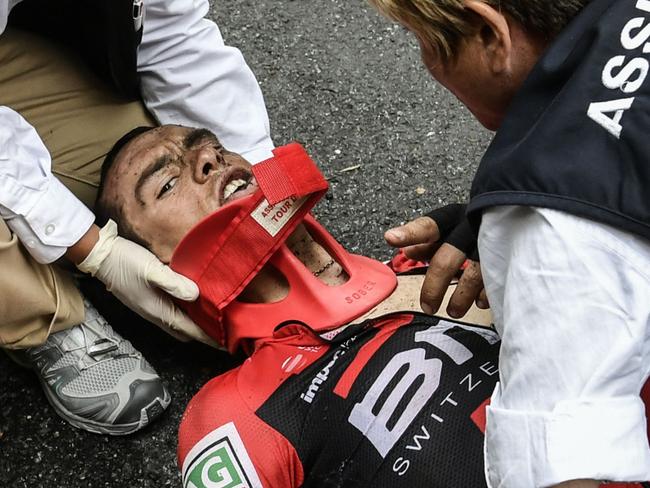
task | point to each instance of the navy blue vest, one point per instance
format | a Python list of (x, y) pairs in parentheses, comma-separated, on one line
[(577, 135)]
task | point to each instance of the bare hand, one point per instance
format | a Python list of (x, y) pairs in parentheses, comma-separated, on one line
[(446, 247)]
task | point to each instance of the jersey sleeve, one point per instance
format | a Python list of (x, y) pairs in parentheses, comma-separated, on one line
[(222, 442)]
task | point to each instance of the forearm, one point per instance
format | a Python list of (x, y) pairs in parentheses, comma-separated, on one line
[(80, 250), (189, 77)]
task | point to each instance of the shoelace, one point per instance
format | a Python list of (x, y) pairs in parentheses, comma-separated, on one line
[(102, 346), (105, 343), (99, 350)]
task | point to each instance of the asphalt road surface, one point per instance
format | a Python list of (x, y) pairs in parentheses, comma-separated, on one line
[(349, 85)]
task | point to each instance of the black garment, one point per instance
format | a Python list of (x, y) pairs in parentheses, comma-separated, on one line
[(396, 402), (455, 229), (101, 31), (577, 136), (440, 432)]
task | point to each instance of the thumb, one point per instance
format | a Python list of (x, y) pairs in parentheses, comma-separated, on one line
[(179, 325), (183, 323), (422, 230), (178, 286)]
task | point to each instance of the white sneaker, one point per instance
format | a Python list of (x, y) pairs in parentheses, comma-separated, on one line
[(95, 379)]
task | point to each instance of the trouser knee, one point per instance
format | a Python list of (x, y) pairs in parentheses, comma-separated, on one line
[(35, 299)]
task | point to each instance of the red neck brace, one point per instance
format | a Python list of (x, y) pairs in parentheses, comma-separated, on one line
[(226, 250)]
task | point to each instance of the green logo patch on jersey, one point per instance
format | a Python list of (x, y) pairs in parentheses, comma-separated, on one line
[(220, 460), (218, 469)]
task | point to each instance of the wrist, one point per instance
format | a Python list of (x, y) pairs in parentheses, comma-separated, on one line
[(80, 250)]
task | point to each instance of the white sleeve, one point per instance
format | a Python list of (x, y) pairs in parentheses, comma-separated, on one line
[(570, 300), (44, 214), (4, 14), (189, 77), (5, 8)]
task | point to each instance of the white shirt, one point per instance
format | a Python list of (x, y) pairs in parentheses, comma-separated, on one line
[(188, 77), (570, 299)]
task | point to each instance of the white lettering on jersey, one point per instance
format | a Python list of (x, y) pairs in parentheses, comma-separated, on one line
[(220, 460), (418, 368), (401, 466), (324, 373), (425, 436), (437, 338), (643, 5), (375, 426), (321, 378)]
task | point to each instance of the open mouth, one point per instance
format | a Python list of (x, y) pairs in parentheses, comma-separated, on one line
[(237, 183)]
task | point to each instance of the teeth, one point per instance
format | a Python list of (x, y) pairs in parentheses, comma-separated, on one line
[(232, 187)]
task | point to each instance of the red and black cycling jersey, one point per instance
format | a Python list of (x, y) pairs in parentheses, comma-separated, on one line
[(395, 402)]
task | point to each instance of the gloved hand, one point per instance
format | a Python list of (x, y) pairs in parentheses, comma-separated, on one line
[(140, 281), (445, 239)]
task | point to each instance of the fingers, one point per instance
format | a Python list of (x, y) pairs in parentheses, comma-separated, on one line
[(468, 290), (160, 310), (181, 323), (176, 285), (176, 323), (422, 230), (442, 269), (178, 335), (482, 300), (421, 252)]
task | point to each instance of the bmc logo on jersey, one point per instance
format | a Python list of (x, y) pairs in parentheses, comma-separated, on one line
[(220, 460)]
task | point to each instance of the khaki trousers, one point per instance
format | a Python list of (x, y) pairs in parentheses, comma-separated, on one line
[(78, 119)]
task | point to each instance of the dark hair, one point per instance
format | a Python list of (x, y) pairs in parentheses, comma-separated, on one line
[(105, 210)]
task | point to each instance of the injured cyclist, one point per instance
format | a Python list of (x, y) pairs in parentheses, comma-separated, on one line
[(393, 400)]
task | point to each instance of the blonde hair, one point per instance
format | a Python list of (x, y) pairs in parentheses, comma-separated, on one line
[(442, 24)]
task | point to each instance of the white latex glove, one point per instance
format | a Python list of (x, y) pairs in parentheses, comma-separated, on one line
[(140, 281)]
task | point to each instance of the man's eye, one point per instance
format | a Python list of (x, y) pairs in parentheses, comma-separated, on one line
[(167, 187)]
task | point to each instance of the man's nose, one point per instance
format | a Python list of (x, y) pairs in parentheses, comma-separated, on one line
[(205, 164)]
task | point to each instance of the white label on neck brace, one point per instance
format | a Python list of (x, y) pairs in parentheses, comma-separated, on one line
[(273, 218)]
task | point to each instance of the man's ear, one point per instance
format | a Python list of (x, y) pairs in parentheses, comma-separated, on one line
[(494, 34)]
